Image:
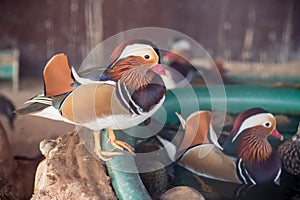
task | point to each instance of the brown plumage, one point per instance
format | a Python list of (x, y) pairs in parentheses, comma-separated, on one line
[(100, 101), (61, 75), (253, 145), (208, 160), (137, 77), (289, 153), (196, 132)]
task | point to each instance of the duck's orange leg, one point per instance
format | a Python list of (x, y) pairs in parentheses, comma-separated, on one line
[(117, 143), (103, 155)]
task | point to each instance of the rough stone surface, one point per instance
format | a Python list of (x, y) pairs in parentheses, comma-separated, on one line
[(70, 172), (156, 180), (182, 192), (16, 175)]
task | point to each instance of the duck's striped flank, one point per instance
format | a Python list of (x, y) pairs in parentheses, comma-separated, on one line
[(244, 174)]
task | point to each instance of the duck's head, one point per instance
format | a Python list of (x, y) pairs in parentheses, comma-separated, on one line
[(133, 63), (255, 118), (250, 131)]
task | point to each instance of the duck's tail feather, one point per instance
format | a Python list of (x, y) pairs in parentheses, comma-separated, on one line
[(50, 113), (34, 104), (40, 108), (31, 108), (41, 99)]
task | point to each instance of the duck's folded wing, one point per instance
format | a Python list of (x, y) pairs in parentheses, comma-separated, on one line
[(209, 161), (92, 101)]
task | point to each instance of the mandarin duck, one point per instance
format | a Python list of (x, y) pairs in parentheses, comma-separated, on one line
[(255, 162), (128, 92), (180, 71), (289, 153), (242, 123), (7, 110)]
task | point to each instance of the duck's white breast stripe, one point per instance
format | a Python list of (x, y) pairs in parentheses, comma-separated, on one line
[(119, 91), (277, 178), (138, 108), (241, 172), (248, 175)]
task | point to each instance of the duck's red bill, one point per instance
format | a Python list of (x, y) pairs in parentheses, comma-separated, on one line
[(276, 134), (159, 69)]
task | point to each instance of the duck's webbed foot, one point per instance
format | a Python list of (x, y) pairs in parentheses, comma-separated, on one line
[(103, 155), (117, 143)]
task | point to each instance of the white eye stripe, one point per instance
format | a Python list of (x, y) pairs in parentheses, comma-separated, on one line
[(137, 50), (254, 120)]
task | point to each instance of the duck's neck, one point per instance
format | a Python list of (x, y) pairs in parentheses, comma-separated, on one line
[(150, 94), (141, 90), (138, 78), (253, 146)]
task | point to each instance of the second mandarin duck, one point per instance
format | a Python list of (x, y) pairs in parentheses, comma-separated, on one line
[(129, 91), (243, 122), (255, 162)]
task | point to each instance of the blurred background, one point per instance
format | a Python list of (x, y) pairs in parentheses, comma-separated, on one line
[(251, 30)]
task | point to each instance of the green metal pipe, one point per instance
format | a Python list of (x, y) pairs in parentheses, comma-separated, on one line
[(232, 99)]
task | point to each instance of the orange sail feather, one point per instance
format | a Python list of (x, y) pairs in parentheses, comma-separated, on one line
[(57, 76)]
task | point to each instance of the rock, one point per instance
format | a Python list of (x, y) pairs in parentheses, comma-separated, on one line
[(153, 172), (7, 162), (156, 180), (16, 175), (70, 171), (182, 192)]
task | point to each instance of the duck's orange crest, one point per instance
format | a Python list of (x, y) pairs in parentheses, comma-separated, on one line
[(58, 76)]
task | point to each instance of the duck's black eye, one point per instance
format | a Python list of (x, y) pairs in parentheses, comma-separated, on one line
[(267, 124), (146, 57)]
